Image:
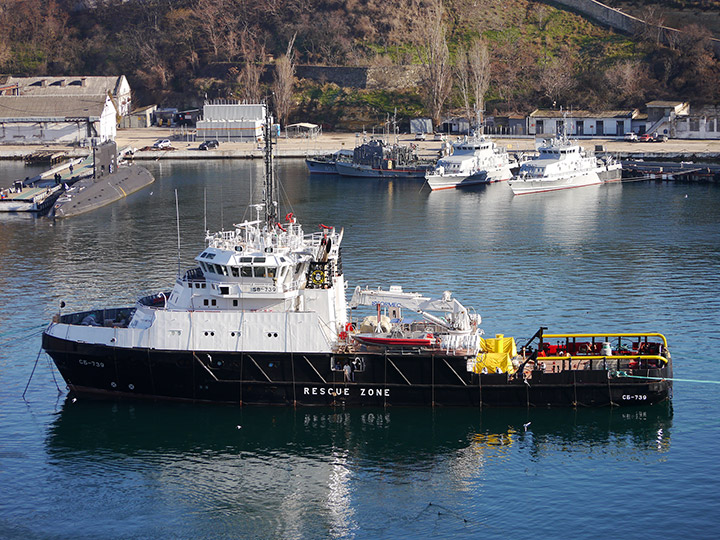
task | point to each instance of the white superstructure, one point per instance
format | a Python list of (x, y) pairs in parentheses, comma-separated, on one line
[(258, 287), (475, 160)]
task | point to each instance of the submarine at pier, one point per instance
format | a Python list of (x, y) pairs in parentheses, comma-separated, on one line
[(110, 182)]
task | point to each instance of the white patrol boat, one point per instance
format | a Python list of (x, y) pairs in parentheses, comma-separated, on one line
[(562, 164), (474, 160)]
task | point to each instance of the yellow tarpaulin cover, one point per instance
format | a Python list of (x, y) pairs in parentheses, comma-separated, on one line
[(496, 353)]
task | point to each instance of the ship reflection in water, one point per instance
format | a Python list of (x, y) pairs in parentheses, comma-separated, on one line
[(298, 472)]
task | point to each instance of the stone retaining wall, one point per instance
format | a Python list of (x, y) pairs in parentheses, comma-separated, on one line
[(389, 77), (616, 19)]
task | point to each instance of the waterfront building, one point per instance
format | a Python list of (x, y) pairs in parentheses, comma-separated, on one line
[(63, 119), (552, 122), (231, 121), (117, 87)]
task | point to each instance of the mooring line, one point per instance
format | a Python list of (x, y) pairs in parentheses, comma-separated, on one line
[(37, 359), (621, 374), (10, 340), (21, 330)]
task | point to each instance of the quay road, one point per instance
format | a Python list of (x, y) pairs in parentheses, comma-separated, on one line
[(705, 150), (674, 149)]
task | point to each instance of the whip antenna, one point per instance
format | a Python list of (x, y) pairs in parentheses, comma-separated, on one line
[(177, 219)]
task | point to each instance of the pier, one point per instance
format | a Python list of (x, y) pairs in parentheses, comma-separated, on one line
[(670, 170), (45, 156)]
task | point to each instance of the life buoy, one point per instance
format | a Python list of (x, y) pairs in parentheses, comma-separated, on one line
[(317, 277), (281, 227), (349, 327), (289, 217), (343, 335)]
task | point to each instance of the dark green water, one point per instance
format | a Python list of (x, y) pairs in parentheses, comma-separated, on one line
[(641, 256)]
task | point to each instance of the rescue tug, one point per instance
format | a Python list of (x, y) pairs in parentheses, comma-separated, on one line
[(263, 319)]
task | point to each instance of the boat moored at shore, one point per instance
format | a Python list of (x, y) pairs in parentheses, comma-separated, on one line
[(325, 164), (378, 159), (475, 160), (562, 164)]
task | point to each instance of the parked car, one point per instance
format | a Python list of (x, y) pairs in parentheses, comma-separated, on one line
[(419, 136), (660, 138), (209, 145), (646, 137), (162, 143), (631, 136)]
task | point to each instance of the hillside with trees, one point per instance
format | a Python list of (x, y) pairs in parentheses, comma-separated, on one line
[(502, 56)]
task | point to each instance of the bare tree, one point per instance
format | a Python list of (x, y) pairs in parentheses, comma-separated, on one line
[(249, 76), (479, 64), (629, 80), (284, 82), (462, 76), (556, 78), (653, 23), (5, 52), (437, 77), (209, 15)]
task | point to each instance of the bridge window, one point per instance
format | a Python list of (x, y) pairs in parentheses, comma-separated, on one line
[(259, 271), (246, 271), (235, 271)]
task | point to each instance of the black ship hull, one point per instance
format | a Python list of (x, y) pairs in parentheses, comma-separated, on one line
[(399, 378)]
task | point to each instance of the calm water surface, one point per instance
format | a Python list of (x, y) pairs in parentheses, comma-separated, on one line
[(641, 256)]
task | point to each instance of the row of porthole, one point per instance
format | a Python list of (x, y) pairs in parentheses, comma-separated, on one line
[(130, 386), (233, 334)]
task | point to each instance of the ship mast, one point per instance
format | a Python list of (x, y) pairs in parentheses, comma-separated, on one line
[(269, 193)]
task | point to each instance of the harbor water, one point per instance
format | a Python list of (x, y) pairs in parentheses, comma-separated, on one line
[(640, 256)]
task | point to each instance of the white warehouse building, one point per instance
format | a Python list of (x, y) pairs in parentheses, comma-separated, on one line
[(57, 119), (117, 87), (231, 122), (581, 123)]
